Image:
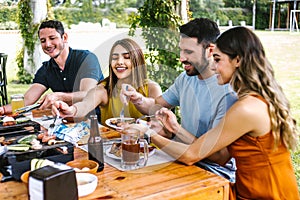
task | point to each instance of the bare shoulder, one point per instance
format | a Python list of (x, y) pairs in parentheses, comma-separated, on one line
[(249, 106), (254, 112), (153, 83), (247, 115), (154, 89)]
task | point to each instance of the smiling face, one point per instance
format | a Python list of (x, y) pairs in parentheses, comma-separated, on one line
[(223, 66), (193, 56), (52, 42), (121, 62)]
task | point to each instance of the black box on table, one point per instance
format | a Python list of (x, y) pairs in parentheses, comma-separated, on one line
[(51, 183)]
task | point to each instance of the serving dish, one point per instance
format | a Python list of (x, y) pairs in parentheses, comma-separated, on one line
[(113, 122), (25, 176), (84, 166)]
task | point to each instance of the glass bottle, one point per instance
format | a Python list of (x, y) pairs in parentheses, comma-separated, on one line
[(95, 144)]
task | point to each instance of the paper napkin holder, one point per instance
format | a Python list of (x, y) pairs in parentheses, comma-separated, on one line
[(51, 183)]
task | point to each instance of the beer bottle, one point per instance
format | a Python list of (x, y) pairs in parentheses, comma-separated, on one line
[(95, 144)]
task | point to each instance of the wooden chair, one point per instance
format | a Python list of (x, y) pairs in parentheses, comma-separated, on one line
[(3, 79)]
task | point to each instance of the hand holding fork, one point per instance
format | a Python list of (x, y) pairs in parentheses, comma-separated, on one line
[(124, 102)]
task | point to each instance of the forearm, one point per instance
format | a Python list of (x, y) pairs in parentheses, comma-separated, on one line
[(184, 136), (95, 97), (73, 97), (144, 104), (173, 148), (81, 109), (221, 157)]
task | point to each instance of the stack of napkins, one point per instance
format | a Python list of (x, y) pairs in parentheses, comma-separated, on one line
[(71, 134)]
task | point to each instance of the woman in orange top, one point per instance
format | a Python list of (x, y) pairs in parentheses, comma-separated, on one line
[(258, 129), (126, 66)]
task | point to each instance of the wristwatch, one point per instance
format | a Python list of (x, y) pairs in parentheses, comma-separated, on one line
[(148, 134)]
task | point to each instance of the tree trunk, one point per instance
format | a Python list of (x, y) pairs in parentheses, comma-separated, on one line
[(184, 11), (39, 10)]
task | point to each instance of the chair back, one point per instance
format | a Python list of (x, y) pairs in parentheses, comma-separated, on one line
[(3, 79)]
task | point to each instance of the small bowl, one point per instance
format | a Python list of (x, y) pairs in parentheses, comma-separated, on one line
[(84, 166), (86, 183), (25, 176)]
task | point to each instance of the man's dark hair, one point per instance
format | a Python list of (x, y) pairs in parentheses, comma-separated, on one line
[(205, 30), (57, 25)]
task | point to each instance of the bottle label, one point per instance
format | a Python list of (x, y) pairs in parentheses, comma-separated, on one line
[(97, 139)]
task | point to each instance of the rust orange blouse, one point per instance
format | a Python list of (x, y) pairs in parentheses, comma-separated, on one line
[(262, 171)]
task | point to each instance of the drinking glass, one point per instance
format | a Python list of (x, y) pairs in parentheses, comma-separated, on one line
[(17, 101), (131, 157)]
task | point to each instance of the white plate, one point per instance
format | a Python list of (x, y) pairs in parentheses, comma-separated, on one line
[(119, 158), (88, 183), (108, 122)]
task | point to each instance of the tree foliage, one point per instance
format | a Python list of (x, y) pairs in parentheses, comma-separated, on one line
[(27, 30), (159, 23)]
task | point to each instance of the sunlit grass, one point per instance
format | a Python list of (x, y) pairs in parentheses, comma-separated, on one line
[(282, 49)]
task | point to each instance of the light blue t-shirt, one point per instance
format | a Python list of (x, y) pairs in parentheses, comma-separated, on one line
[(203, 103)]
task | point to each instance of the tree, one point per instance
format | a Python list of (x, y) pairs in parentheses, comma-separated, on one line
[(159, 21), (205, 8), (30, 15)]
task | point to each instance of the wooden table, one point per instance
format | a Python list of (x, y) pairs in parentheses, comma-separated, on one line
[(165, 181)]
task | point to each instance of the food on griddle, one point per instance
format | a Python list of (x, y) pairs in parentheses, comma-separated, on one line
[(21, 120), (8, 141), (18, 147), (45, 137), (8, 121), (27, 139), (35, 144)]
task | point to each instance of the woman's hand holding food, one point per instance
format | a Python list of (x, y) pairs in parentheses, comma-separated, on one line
[(63, 109), (129, 93)]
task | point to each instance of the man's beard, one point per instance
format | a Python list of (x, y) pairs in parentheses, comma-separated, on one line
[(193, 71)]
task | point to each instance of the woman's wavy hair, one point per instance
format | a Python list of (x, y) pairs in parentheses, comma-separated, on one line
[(139, 68), (255, 75)]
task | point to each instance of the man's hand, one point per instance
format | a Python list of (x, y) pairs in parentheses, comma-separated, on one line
[(168, 119), (49, 99)]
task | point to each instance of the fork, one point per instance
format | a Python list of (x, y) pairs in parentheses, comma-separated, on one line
[(51, 127), (123, 108), (144, 116), (122, 113)]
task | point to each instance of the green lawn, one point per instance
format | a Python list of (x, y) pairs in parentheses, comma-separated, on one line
[(282, 49)]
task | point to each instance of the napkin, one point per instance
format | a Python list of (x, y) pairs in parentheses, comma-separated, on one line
[(71, 134)]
